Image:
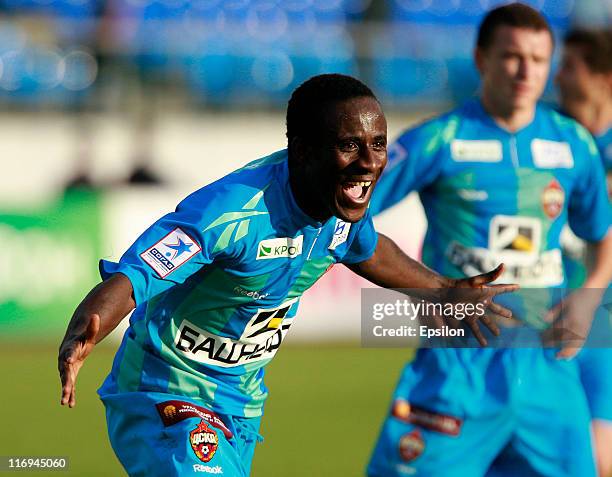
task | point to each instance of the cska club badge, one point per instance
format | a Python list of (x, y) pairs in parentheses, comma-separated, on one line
[(204, 442), (411, 445), (553, 198)]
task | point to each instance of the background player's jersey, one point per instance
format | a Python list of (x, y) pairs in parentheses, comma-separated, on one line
[(217, 285), (492, 196), (604, 143), (574, 249)]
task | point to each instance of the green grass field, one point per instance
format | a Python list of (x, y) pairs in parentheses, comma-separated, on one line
[(325, 408)]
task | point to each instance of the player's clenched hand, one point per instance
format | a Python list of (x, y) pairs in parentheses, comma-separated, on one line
[(477, 289), (72, 353)]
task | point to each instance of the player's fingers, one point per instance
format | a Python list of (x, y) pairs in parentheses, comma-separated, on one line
[(502, 288), (568, 352), (490, 324), (488, 277), (477, 333), (72, 401), (500, 310), (67, 377)]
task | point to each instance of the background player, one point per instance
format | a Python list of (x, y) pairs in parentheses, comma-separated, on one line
[(498, 177), (216, 285), (585, 86)]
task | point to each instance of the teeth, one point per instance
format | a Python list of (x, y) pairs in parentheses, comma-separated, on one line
[(363, 184)]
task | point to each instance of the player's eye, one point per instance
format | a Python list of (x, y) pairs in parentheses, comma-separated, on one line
[(349, 146), (380, 144)]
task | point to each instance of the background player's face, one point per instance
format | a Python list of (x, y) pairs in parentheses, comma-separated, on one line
[(574, 79), (514, 67), (347, 160)]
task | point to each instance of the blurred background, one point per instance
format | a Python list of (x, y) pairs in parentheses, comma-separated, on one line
[(113, 110)]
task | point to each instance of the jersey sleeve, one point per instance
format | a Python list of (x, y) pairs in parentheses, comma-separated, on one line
[(414, 163), (173, 248), (364, 241), (589, 207)]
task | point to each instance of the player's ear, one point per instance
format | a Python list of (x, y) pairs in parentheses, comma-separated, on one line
[(299, 150)]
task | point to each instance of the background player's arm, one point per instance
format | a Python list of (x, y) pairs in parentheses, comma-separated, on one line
[(98, 314), (600, 258)]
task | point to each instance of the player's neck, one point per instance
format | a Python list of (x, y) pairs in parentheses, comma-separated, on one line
[(595, 116), (507, 117), (304, 198)]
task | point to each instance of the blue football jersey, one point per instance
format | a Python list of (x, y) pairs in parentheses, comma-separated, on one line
[(217, 285)]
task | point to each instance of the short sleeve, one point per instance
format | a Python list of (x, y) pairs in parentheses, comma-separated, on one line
[(364, 241), (175, 247), (589, 207)]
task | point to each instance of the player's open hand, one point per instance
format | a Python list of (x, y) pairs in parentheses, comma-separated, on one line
[(477, 289), (72, 353)]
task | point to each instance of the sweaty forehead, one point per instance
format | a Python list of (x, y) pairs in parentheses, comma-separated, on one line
[(362, 112)]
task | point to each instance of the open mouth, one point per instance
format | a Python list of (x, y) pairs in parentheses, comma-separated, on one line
[(356, 191)]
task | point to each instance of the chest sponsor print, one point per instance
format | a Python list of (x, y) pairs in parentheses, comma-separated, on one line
[(285, 247), (463, 150), (260, 339), (551, 154)]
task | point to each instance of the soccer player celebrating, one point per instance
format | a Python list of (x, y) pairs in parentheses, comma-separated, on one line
[(585, 85), (216, 286), (499, 177)]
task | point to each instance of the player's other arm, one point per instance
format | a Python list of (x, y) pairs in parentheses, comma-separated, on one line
[(600, 258), (98, 314), (389, 267)]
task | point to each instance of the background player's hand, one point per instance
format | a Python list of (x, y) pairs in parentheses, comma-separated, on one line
[(571, 321), (72, 353), (477, 289)]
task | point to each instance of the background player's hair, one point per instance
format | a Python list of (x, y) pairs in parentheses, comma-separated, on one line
[(595, 48), (309, 100), (514, 15)]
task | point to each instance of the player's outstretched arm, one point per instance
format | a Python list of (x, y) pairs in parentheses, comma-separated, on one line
[(389, 267), (97, 315)]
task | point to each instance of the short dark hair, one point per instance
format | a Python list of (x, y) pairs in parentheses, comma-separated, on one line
[(515, 15), (595, 48), (310, 98)]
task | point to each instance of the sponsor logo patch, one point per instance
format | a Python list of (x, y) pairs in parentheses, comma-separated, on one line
[(553, 198), (432, 421), (260, 339), (411, 445), (476, 150), (285, 247), (514, 237), (204, 441), (175, 411), (170, 252), (341, 233), (551, 154), (546, 269)]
